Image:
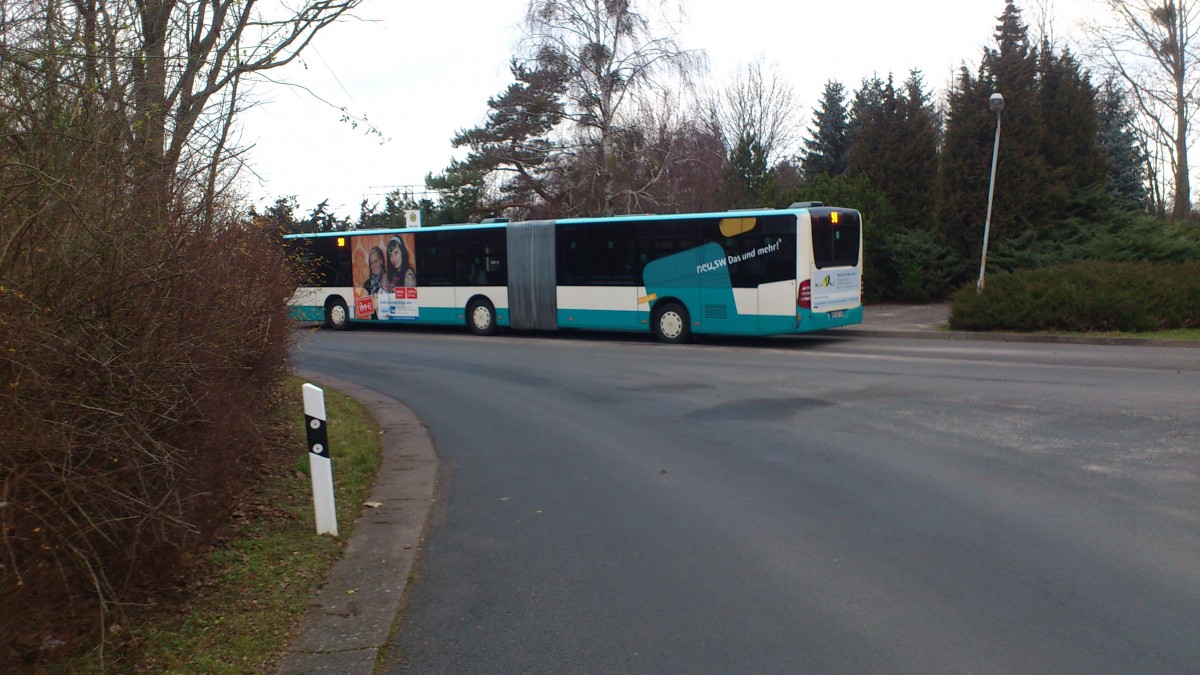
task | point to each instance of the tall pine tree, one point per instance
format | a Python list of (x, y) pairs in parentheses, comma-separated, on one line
[(915, 183), (1126, 160), (895, 143), (1069, 146), (513, 146), (895, 146), (1022, 191), (827, 150), (872, 129), (751, 182), (1051, 168)]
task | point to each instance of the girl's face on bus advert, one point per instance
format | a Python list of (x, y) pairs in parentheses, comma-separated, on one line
[(376, 259), (396, 254)]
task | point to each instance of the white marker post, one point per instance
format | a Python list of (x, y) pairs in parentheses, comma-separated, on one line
[(319, 465)]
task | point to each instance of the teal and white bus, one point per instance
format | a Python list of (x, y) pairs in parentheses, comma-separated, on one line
[(754, 272)]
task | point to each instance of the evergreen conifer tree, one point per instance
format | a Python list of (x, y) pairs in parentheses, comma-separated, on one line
[(871, 116), (1070, 149), (913, 195), (1126, 161), (896, 149), (896, 145), (513, 144), (752, 182), (1023, 192), (827, 151), (966, 153), (282, 215)]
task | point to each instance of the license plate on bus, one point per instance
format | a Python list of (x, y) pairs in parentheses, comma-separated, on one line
[(837, 314)]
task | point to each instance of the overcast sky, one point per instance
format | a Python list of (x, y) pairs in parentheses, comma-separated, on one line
[(421, 70)]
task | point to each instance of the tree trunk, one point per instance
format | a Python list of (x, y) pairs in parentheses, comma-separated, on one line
[(150, 96), (1183, 190)]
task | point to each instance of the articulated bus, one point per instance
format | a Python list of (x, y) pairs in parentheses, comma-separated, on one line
[(754, 272)]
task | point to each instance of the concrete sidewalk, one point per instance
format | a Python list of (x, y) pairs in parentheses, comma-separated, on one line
[(905, 318)]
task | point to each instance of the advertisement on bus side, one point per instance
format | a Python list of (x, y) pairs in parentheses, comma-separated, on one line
[(384, 268)]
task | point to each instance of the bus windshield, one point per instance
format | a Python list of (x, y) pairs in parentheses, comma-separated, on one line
[(835, 237)]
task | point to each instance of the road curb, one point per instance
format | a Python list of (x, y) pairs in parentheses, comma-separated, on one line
[(1013, 337), (353, 615)]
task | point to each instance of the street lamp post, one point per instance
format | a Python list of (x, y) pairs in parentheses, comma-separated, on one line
[(995, 102)]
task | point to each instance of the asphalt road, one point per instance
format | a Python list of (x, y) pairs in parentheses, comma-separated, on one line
[(608, 504)]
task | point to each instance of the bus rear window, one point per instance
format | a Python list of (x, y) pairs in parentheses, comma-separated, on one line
[(835, 237)]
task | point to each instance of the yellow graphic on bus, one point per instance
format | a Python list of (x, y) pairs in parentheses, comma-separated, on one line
[(648, 298), (731, 227)]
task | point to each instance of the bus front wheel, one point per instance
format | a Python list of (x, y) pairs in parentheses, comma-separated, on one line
[(337, 316), (671, 324), (481, 317)]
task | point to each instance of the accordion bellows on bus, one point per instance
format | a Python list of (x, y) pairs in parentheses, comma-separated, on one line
[(760, 272)]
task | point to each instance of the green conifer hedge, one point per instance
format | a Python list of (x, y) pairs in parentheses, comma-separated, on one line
[(1086, 296)]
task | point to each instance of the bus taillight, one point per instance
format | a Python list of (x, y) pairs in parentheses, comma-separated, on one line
[(804, 299)]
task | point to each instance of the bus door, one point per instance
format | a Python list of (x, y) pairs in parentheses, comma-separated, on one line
[(612, 276), (774, 273), (670, 266), (732, 304), (723, 308)]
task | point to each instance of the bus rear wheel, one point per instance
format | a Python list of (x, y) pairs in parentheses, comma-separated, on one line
[(481, 317), (337, 316), (672, 324)]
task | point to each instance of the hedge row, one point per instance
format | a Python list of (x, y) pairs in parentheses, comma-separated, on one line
[(1090, 296), (138, 370)]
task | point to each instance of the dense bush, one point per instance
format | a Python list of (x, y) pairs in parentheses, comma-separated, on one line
[(917, 267), (1117, 237), (138, 360), (1091, 296)]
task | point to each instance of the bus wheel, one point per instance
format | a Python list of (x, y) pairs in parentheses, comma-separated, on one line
[(481, 317), (671, 324), (337, 316)]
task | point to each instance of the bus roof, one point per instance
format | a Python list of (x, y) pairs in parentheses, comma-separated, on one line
[(394, 230), (741, 213)]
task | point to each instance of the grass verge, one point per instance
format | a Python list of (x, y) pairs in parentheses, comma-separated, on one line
[(1189, 334), (1184, 334), (244, 598)]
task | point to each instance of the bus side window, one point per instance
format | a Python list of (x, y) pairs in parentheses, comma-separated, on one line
[(754, 270), (331, 264), (491, 270), (611, 254), (435, 260), (572, 256), (467, 260)]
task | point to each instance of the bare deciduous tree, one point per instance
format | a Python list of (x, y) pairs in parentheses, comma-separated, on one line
[(614, 56), (169, 68), (758, 103), (129, 409), (1154, 47)]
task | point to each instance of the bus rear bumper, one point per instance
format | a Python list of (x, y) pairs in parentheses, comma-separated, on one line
[(808, 320)]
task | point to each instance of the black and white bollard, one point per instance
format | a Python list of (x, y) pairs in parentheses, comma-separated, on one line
[(319, 465)]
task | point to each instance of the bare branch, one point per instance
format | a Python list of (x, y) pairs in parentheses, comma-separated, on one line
[(1154, 47)]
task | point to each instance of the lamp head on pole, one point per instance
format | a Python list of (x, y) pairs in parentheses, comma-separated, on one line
[(996, 102)]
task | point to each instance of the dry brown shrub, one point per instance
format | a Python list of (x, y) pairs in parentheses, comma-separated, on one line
[(139, 362)]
